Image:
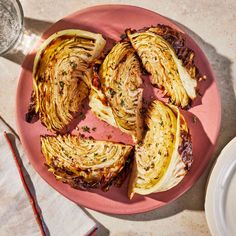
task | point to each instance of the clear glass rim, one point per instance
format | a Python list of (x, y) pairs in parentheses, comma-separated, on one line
[(21, 15)]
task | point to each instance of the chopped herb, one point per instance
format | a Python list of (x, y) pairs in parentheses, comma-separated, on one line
[(61, 84), (91, 138), (122, 103), (81, 135), (103, 160), (81, 115), (112, 92), (64, 72), (140, 142), (86, 128), (194, 119), (161, 123), (159, 152), (140, 178), (94, 129), (73, 65), (95, 154)]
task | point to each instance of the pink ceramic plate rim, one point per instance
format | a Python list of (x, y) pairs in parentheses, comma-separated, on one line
[(125, 210)]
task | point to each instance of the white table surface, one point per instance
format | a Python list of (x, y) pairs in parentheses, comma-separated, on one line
[(212, 24)]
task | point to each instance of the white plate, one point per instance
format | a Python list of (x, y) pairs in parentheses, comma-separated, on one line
[(220, 204)]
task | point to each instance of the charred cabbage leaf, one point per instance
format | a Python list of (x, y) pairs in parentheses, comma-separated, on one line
[(164, 55), (165, 155), (84, 163), (61, 76), (100, 107), (118, 98)]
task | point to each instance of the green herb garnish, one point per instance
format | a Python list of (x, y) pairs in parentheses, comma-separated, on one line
[(64, 72), (61, 84), (112, 92), (140, 142), (81, 115), (86, 128), (73, 65)]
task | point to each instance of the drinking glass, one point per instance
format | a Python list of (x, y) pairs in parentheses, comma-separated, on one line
[(11, 24)]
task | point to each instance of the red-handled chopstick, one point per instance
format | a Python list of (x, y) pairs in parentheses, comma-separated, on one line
[(30, 197)]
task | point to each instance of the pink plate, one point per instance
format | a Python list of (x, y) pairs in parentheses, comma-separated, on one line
[(111, 21)]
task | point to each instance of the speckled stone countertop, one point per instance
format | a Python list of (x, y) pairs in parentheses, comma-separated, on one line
[(212, 24)]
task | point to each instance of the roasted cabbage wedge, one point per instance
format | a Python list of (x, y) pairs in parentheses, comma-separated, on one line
[(97, 99), (61, 76), (164, 55), (118, 98), (85, 163), (165, 155)]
